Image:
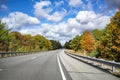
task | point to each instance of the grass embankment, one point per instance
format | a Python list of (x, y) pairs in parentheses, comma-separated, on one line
[(72, 51)]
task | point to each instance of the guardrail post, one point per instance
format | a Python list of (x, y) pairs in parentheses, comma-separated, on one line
[(19, 53), (94, 61), (16, 54), (3, 55), (101, 65), (12, 54), (88, 60), (7, 55), (113, 68)]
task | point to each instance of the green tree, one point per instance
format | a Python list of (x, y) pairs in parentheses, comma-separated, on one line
[(67, 45), (98, 34), (16, 41), (75, 43), (56, 44), (41, 43), (4, 37)]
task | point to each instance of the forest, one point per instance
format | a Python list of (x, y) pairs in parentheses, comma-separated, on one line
[(99, 43), (15, 41)]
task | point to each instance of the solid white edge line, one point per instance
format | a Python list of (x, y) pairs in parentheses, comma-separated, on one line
[(61, 70)]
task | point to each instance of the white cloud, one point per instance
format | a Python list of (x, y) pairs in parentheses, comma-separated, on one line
[(71, 22), (64, 31), (90, 20), (85, 16), (51, 31), (19, 19), (43, 10), (4, 7), (84, 20), (75, 3), (57, 16)]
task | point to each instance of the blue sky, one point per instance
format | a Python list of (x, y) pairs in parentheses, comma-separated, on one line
[(57, 19)]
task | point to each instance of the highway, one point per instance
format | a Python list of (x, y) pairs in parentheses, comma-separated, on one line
[(50, 65), (42, 66)]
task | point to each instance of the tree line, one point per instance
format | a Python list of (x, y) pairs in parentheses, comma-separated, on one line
[(99, 43), (15, 41)]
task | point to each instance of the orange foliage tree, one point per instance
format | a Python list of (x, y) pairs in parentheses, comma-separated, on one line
[(87, 41)]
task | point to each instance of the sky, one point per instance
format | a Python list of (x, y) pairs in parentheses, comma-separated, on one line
[(59, 20)]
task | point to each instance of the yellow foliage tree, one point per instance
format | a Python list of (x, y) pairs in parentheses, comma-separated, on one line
[(87, 41)]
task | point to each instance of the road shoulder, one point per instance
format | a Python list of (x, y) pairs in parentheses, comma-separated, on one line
[(81, 71)]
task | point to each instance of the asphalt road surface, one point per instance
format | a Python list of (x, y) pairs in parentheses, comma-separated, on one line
[(42, 66), (50, 65)]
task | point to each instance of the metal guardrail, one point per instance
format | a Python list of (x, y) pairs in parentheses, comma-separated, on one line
[(113, 64), (9, 54)]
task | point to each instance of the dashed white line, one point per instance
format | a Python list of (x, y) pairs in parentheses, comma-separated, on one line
[(61, 70), (1, 69)]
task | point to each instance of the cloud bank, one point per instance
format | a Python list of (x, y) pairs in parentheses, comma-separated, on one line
[(19, 19), (44, 10), (64, 31), (61, 24)]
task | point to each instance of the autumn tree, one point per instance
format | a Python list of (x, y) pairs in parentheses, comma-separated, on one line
[(110, 46), (87, 42), (16, 41), (41, 43), (33, 43), (48, 45), (26, 42)]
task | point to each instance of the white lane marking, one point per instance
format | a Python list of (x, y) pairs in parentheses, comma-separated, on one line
[(61, 70), (34, 57), (1, 69)]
